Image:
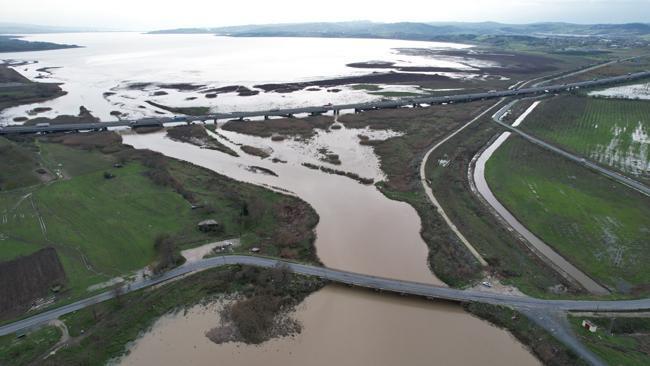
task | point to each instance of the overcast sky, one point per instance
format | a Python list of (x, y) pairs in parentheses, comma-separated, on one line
[(158, 14)]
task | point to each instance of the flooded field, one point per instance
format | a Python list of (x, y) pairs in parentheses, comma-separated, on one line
[(360, 230), (538, 245), (120, 72), (635, 91), (342, 326)]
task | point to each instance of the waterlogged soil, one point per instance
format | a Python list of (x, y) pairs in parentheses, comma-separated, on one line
[(359, 230), (341, 326)]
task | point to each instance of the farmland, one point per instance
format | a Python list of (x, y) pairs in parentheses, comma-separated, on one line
[(612, 132), (508, 258), (618, 341), (604, 230), (103, 219)]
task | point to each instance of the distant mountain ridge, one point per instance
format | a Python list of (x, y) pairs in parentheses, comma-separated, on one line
[(19, 28), (419, 31)]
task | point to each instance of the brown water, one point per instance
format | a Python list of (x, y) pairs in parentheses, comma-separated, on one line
[(360, 230), (342, 326)]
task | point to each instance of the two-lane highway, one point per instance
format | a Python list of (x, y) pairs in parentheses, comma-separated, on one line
[(384, 104), (344, 277)]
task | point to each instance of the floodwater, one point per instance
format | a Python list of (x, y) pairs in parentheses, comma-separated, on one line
[(112, 62), (341, 326), (360, 230), (543, 249)]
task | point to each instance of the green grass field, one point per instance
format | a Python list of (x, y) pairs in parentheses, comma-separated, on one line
[(613, 132), (23, 351), (599, 225), (100, 227), (627, 344), (104, 228)]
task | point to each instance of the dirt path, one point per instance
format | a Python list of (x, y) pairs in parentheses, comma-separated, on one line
[(432, 198), (65, 337)]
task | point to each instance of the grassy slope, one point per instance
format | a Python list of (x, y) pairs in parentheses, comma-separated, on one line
[(136, 312), (597, 224), (601, 129), (400, 159), (508, 257), (110, 224), (617, 348), (28, 92), (17, 167), (22, 351)]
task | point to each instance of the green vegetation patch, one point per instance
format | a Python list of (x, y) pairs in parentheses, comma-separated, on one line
[(400, 159), (104, 211), (617, 341), (613, 132), (508, 258), (542, 344), (597, 224), (29, 348), (24, 91), (104, 330), (18, 168), (368, 87), (188, 111)]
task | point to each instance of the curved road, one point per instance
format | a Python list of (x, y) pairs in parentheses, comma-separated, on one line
[(640, 187), (545, 252), (349, 278), (432, 198)]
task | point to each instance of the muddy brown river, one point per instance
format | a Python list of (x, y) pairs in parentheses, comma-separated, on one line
[(360, 230)]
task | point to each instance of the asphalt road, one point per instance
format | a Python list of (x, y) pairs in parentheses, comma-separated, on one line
[(460, 98), (343, 277), (432, 197), (640, 187)]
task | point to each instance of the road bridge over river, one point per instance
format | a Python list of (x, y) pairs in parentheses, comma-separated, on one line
[(384, 104), (549, 314)]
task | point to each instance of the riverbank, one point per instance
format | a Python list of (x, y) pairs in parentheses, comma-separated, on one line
[(101, 332), (16, 89), (116, 185)]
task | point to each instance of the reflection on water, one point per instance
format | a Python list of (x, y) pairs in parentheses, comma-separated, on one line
[(341, 326), (110, 61), (359, 230)]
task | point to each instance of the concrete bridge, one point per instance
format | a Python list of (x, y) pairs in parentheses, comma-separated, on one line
[(335, 108), (549, 314)]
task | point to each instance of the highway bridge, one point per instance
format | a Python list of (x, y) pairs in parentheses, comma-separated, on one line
[(335, 108), (343, 277)]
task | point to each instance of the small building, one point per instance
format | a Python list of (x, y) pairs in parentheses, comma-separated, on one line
[(589, 326), (208, 225), (255, 250)]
